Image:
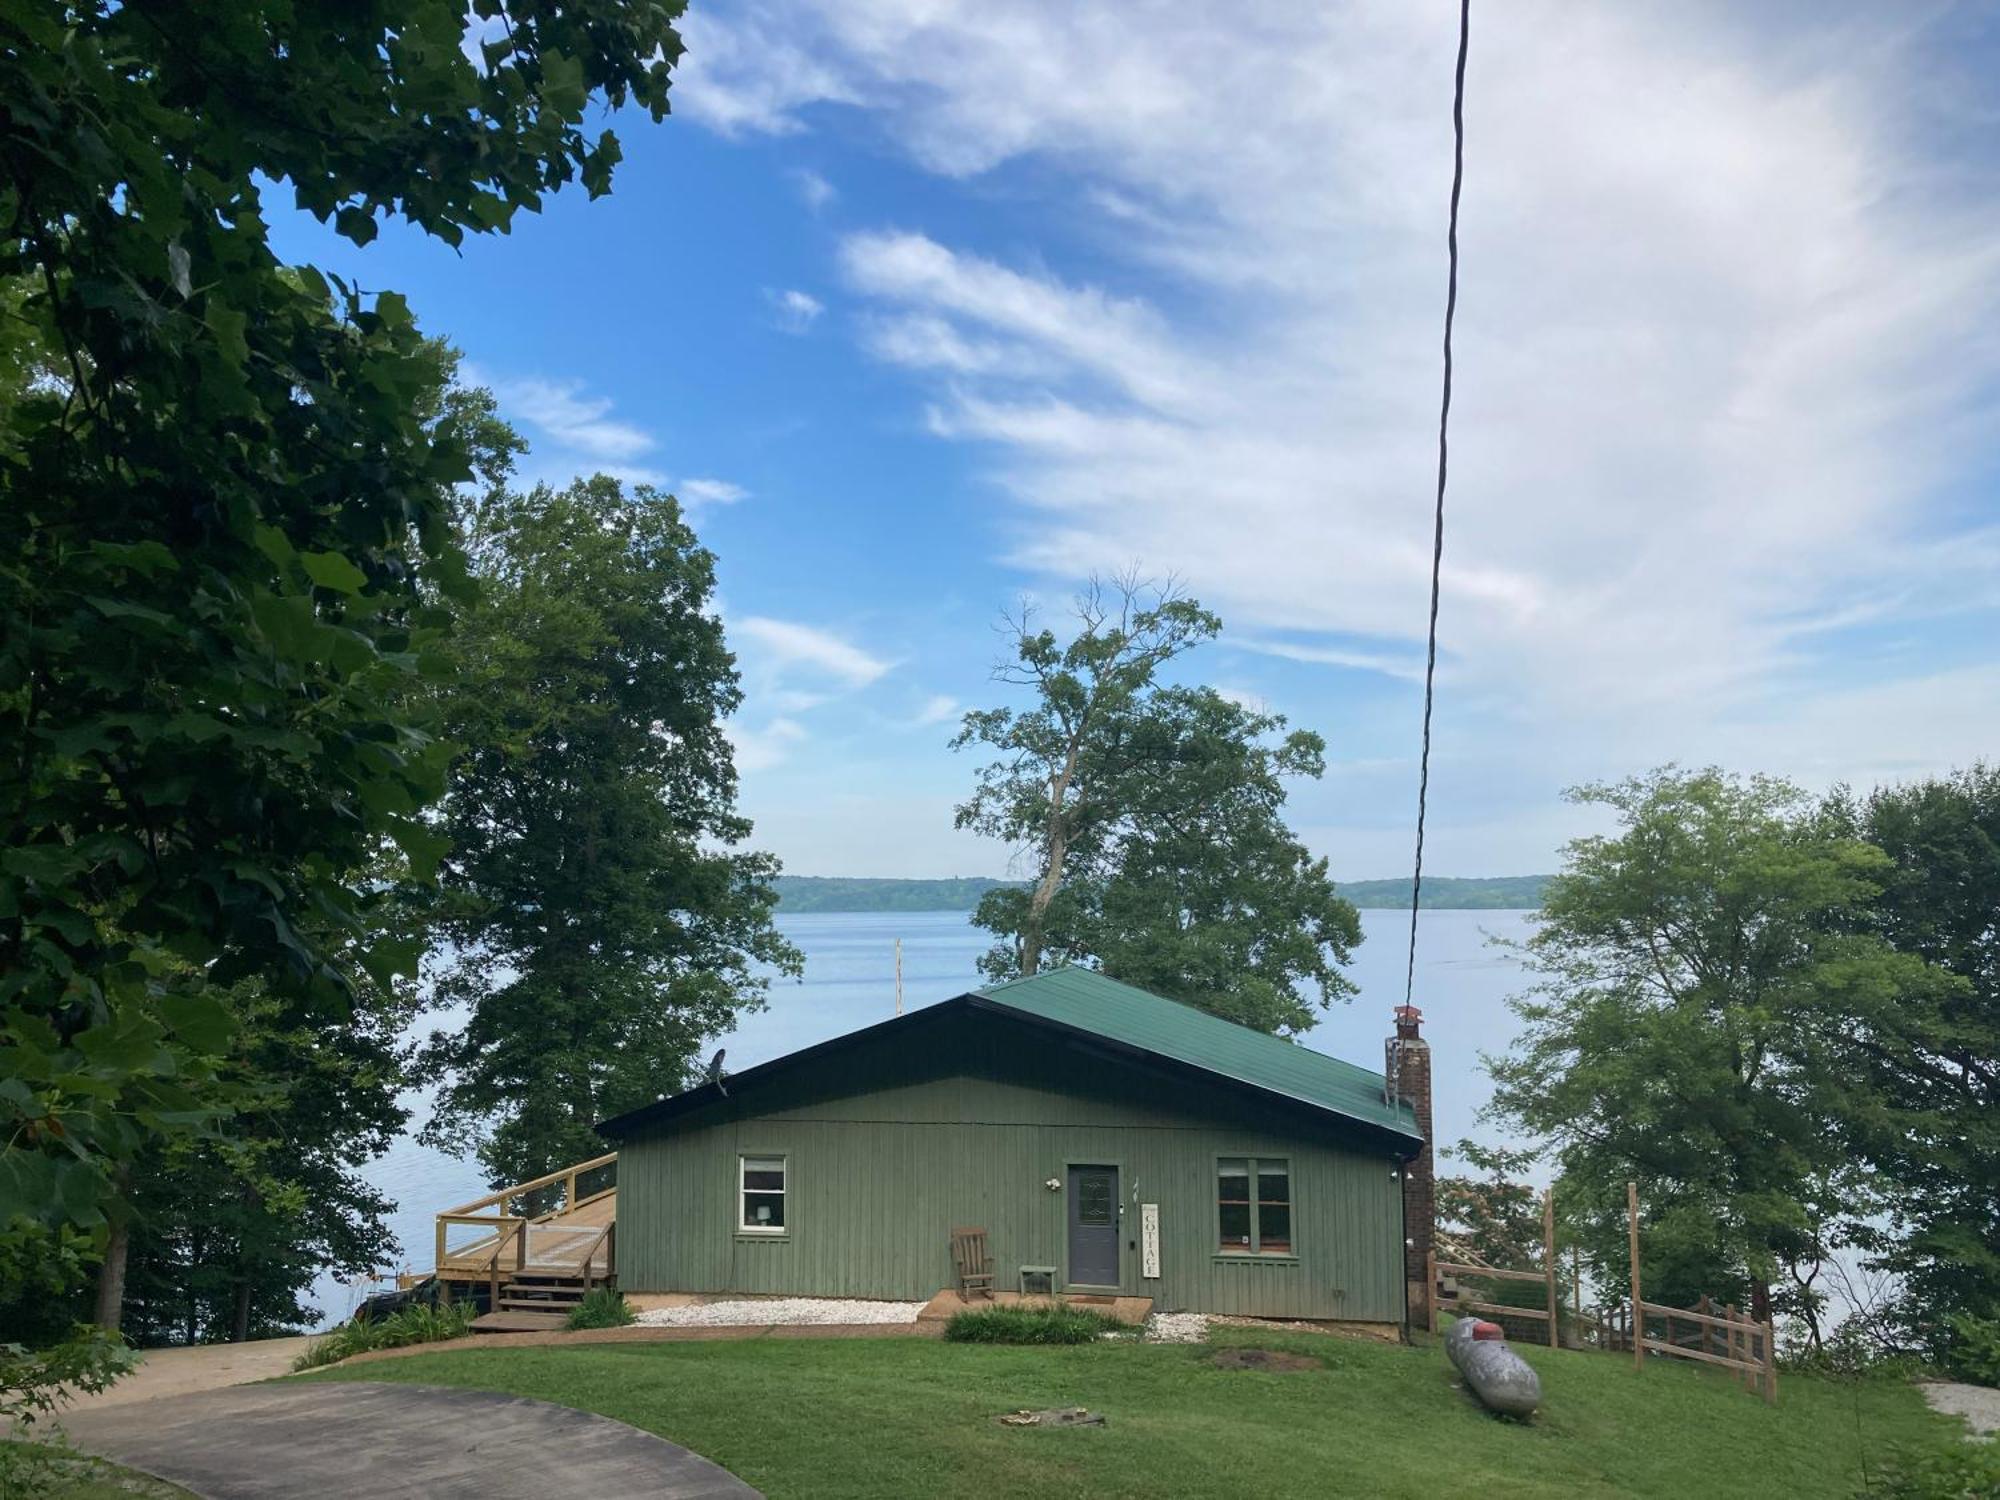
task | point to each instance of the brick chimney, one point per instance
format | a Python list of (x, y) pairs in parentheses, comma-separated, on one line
[(1408, 1073)]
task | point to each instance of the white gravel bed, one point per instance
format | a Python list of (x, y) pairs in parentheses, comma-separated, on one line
[(758, 1312), (1176, 1328)]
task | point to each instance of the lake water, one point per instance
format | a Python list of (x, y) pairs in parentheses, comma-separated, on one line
[(1462, 987)]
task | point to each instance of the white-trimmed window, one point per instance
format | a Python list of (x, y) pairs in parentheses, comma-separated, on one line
[(761, 1194)]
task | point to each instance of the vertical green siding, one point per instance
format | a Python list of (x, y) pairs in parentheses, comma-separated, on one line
[(880, 1172)]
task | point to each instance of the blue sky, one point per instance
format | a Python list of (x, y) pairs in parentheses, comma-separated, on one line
[(926, 307)]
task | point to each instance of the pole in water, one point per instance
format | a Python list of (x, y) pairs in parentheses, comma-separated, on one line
[(899, 976)]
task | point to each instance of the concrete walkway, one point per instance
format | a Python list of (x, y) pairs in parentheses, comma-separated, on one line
[(392, 1442), (200, 1367)]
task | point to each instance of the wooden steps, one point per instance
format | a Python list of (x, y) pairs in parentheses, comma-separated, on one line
[(520, 1322)]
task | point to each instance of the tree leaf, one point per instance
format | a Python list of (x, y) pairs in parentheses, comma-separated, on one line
[(330, 570)]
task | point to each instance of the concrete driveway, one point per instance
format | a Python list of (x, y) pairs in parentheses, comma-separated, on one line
[(399, 1442)]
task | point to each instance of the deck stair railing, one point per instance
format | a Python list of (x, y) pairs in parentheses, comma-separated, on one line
[(568, 1235)]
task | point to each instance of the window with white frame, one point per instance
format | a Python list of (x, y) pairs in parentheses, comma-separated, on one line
[(761, 1180)]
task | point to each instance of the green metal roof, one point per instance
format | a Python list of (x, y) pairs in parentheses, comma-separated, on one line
[(1087, 1001)]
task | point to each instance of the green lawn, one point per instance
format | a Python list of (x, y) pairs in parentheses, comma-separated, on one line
[(908, 1417), (47, 1474)]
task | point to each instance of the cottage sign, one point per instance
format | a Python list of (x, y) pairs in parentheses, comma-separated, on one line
[(1149, 1240)]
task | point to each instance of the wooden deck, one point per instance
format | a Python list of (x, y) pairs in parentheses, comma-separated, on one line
[(488, 1240)]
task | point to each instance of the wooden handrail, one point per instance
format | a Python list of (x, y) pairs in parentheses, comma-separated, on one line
[(501, 1195)]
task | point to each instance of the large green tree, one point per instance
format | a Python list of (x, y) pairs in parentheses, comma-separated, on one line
[(1693, 973), (1152, 816), (603, 918), (224, 519), (1927, 1072)]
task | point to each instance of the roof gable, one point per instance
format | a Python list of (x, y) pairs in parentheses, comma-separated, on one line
[(1087, 1001), (1085, 1004)]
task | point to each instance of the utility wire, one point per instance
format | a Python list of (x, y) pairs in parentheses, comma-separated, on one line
[(1444, 450)]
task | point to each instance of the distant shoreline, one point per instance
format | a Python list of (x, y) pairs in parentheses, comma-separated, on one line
[(840, 893)]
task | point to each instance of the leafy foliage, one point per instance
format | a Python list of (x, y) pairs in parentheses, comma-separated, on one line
[(1973, 1349), (1023, 1323), (419, 1323), (1494, 1215), (224, 521), (1696, 973), (229, 1233), (1957, 1471), (604, 921), (602, 1307), (1154, 817), (1927, 1072), (34, 1384)]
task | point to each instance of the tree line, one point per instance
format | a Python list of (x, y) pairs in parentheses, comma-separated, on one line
[(313, 718)]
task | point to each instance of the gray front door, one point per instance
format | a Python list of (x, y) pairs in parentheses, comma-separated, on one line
[(1093, 1226)]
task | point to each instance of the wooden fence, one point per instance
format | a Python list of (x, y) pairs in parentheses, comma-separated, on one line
[(1549, 1314), (1733, 1340)]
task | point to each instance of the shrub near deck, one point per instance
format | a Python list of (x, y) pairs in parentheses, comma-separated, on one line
[(841, 1420), (1030, 1325)]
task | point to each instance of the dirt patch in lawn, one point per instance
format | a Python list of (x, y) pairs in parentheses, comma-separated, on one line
[(1266, 1359), (1058, 1416)]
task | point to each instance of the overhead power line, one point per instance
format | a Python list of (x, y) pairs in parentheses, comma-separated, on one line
[(1444, 453)]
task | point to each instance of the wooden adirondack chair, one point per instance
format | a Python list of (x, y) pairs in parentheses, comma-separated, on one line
[(972, 1262)]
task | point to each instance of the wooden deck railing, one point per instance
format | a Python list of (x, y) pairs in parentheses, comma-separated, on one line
[(568, 1235)]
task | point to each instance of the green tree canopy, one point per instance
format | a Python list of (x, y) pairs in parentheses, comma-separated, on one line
[(1693, 974), (1927, 1071), (1153, 815), (225, 518), (604, 920)]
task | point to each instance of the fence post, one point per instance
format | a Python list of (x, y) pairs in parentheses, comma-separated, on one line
[(1576, 1290), (1549, 1263), (1638, 1316)]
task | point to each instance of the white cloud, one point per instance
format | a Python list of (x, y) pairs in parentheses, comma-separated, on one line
[(570, 432), (793, 311), (1727, 333), (762, 748), (697, 492), (814, 190), (787, 643), (939, 708)]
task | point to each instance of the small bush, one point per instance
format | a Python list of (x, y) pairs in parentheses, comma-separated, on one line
[(420, 1323), (1020, 1324), (602, 1307), (1852, 1352), (1964, 1471), (1974, 1351)]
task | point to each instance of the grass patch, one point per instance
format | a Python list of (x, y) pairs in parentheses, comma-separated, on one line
[(602, 1307), (420, 1323), (1018, 1323), (854, 1419), (51, 1473)]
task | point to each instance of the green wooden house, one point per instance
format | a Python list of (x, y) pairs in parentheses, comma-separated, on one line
[(1105, 1137)]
